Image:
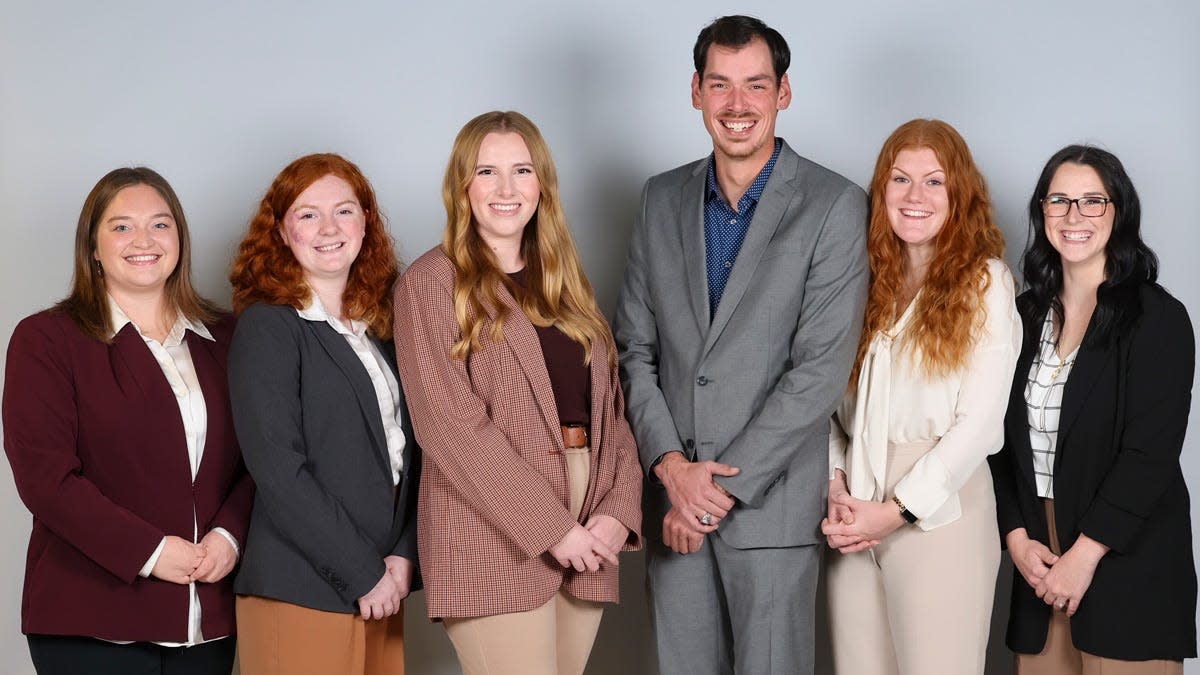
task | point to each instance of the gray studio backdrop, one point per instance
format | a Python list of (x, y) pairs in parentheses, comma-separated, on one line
[(218, 96)]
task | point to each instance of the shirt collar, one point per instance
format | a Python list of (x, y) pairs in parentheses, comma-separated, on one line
[(315, 311), (119, 318), (754, 192)]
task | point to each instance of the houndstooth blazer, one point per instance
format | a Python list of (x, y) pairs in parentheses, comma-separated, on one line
[(494, 490)]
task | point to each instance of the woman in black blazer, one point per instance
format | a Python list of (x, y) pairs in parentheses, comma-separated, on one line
[(320, 415), (1090, 496)]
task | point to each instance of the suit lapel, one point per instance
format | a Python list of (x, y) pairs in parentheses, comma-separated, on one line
[(211, 377), (1018, 425), (1089, 363), (777, 196), (347, 361), (519, 332), (690, 213), (158, 401)]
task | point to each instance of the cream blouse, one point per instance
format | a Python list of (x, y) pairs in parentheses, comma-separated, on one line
[(896, 402)]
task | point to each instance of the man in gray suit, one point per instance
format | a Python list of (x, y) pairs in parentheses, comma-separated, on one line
[(737, 323)]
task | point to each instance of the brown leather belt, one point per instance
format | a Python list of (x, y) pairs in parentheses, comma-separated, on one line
[(574, 436)]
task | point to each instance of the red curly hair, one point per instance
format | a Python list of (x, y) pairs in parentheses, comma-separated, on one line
[(949, 311), (266, 271)]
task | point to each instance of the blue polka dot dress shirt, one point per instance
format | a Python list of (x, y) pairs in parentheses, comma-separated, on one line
[(725, 229)]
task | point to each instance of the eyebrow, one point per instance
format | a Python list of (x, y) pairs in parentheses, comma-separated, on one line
[(341, 203), (753, 78), (153, 217), (1093, 193), (896, 168), (493, 166)]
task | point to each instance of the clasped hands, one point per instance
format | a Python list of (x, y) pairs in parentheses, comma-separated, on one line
[(584, 547), (387, 597), (1060, 581), (852, 525), (698, 503), (182, 562)]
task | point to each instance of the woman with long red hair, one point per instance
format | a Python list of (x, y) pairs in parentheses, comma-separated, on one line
[(320, 417), (911, 507)]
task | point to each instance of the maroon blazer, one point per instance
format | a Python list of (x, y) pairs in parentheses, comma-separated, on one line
[(494, 488), (97, 448)]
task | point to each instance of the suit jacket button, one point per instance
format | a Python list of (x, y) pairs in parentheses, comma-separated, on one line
[(702, 380), (689, 443)]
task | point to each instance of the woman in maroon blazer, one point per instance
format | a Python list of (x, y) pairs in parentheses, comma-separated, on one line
[(118, 429), (530, 485)]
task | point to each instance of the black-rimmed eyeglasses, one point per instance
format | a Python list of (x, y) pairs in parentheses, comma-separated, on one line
[(1057, 206)]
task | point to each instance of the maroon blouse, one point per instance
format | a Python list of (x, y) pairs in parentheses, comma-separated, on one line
[(570, 378)]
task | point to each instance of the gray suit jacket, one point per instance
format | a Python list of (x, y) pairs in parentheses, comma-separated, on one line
[(325, 514), (755, 387)]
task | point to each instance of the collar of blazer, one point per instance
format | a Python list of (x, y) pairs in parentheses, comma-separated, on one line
[(347, 361), (522, 337), (781, 192)]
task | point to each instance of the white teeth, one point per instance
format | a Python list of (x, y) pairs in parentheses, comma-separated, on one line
[(738, 126), (141, 258), (913, 213), (329, 247), (1077, 236), (507, 208)]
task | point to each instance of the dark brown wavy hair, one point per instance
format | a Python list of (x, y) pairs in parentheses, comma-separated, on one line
[(950, 310), (266, 271), (87, 304)]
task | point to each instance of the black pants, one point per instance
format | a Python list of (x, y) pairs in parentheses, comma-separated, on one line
[(57, 655)]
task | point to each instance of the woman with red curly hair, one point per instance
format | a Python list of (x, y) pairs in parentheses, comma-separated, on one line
[(911, 507), (319, 413)]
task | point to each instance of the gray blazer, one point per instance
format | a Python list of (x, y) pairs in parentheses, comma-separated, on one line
[(325, 513), (755, 387)]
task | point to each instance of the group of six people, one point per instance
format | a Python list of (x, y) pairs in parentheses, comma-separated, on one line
[(802, 366)]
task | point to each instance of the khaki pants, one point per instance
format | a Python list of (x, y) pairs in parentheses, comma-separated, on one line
[(1060, 657), (279, 638), (920, 602), (554, 639)]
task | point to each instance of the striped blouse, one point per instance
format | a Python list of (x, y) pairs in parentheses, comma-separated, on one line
[(1043, 400)]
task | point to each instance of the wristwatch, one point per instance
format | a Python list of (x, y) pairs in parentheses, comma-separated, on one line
[(907, 515)]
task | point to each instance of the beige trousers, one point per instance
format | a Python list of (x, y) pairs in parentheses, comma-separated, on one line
[(279, 638), (554, 639), (919, 602), (1060, 657)]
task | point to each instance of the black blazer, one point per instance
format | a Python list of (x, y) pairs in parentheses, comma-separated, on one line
[(325, 513), (1117, 479)]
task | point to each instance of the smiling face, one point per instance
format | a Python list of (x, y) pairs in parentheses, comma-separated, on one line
[(1079, 240), (504, 191), (916, 199), (740, 99), (324, 228), (137, 242)]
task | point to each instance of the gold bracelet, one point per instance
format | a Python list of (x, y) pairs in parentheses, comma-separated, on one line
[(908, 516)]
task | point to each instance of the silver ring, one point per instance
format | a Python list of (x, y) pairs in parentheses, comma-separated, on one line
[(706, 519), (1062, 605)]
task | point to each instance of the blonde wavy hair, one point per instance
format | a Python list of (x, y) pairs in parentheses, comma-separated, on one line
[(558, 293), (950, 311)]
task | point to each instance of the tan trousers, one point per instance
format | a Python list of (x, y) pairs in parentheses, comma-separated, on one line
[(279, 638), (1060, 657), (554, 639), (919, 602)]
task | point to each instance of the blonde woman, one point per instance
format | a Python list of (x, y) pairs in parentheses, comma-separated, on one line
[(531, 485)]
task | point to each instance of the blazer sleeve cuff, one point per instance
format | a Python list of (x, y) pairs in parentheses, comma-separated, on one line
[(1110, 525)]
